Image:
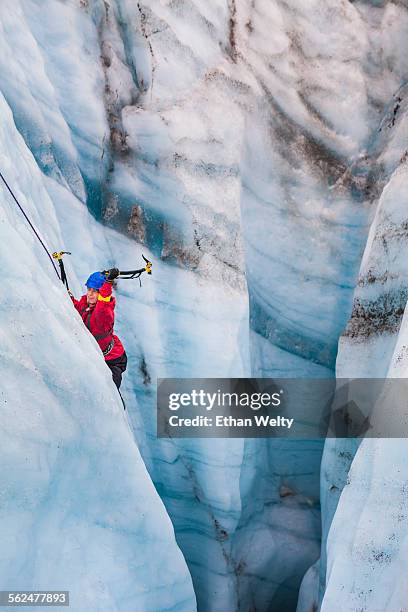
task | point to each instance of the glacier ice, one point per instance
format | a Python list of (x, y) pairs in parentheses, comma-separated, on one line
[(79, 511), (367, 480), (252, 150)]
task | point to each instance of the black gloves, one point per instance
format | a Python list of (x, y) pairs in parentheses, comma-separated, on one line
[(112, 274)]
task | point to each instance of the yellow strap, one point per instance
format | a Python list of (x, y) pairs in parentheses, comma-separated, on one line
[(103, 299)]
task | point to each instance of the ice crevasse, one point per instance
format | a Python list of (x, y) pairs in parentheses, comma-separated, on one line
[(78, 509), (364, 485)]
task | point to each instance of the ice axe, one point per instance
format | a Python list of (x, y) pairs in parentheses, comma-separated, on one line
[(128, 274)]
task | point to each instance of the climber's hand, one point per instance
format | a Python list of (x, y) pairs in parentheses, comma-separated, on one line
[(112, 274)]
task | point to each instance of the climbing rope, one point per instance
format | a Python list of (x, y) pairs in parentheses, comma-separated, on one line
[(123, 401), (125, 274), (30, 224)]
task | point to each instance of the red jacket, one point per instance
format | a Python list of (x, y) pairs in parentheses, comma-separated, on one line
[(100, 319)]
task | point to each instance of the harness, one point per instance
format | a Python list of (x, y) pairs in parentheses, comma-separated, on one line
[(109, 348)]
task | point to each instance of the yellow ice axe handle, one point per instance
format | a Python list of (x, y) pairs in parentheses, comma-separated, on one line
[(58, 255)]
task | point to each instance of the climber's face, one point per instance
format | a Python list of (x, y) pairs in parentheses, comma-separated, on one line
[(92, 296)]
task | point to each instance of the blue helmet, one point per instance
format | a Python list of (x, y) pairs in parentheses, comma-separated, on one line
[(95, 281)]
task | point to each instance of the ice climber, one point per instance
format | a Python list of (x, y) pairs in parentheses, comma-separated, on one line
[(97, 309)]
